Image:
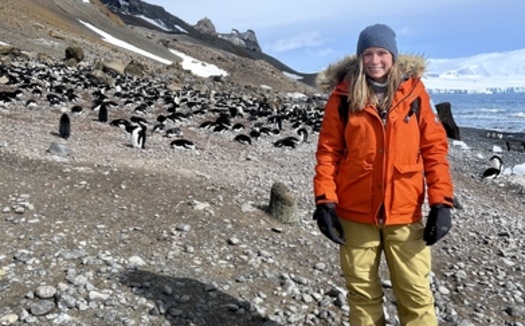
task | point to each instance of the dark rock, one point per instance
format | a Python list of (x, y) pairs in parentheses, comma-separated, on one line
[(205, 26), (74, 52), (42, 307), (445, 115), (98, 77), (135, 68)]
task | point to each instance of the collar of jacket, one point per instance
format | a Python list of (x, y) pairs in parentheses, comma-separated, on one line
[(334, 75)]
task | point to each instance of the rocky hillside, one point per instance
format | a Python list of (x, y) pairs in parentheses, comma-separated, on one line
[(129, 10), (49, 27)]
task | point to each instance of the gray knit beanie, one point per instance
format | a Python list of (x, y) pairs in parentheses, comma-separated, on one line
[(379, 35)]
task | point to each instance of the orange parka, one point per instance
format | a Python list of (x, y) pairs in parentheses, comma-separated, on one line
[(376, 163)]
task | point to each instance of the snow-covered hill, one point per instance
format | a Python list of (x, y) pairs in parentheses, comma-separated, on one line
[(496, 72)]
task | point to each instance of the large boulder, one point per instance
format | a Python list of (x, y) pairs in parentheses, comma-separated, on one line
[(135, 68), (282, 204), (205, 26), (445, 115), (74, 52)]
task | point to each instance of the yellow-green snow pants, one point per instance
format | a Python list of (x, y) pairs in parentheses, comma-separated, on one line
[(408, 259)]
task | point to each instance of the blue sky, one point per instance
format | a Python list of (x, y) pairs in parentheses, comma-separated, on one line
[(309, 35)]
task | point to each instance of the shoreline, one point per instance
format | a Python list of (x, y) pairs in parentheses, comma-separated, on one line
[(483, 132)]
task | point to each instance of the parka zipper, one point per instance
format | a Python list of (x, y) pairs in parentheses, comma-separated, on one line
[(381, 219), (380, 213)]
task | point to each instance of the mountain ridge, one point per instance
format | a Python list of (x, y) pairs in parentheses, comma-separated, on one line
[(239, 43), (56, 25)]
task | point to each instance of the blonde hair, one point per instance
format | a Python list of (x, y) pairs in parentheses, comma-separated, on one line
[(360, 92)]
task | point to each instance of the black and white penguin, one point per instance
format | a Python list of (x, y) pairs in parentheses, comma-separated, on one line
[(182, 143), (303, 133), (139, 120), (77, 109), (495, 169), (243, 139), (207, 125), (220, 128), (158, 127), (255, 134), (173, 132), (103, 113), (238, 127), (64, 127), (141, 109), (289, 141), (121, 123), (31, 103), (138, 136), (265, 131)]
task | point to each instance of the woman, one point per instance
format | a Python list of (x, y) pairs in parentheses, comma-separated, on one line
[(380, 147)]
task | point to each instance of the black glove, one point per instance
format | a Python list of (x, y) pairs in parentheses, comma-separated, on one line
[(328, 222), (439, 223)]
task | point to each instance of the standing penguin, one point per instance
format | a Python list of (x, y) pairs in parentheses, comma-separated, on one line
[(103, 113), (64, 127), (303, 133), (138, 136), (495, 169)]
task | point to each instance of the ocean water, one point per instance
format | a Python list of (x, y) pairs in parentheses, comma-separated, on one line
[(503, 112)]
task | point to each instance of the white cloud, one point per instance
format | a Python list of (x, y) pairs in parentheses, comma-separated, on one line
[(304, 40), (407, 31)]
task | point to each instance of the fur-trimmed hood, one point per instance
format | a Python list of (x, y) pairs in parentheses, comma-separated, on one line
[(327, 79)]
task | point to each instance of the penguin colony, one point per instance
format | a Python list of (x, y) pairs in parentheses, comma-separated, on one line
[(147, 107), (143, 108)]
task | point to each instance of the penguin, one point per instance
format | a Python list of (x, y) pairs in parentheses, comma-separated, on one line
[(303, 133), (121, 123), (138, 136), (206, 125), (238, 127), (255, 134), (77, 109), (31, 103), (141, 109), (243, 139), (265, 131), (287, 142), (173, 132), (103, 113), (182, 143), (220, 128), (64, 128), (495, 169), (139, 120), (158, 127)]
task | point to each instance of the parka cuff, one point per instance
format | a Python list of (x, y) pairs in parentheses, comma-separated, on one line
[(324, 198)]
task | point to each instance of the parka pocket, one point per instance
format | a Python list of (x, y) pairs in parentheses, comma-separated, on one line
[(354, 187), (408, 188)]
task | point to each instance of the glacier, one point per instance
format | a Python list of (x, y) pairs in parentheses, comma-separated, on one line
[(488, 73)]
